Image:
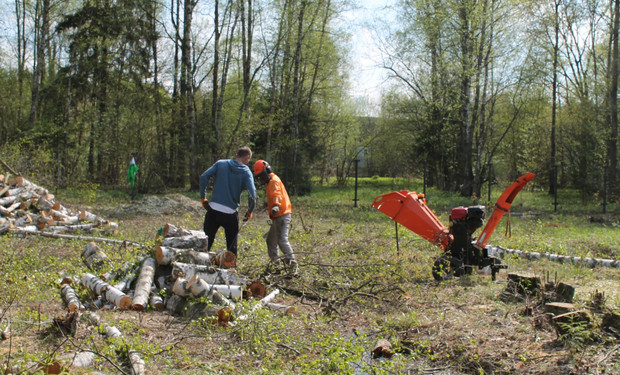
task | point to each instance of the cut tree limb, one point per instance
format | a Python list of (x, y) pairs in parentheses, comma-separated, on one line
[(93, 257), (144, 284), (71, 299), (186, 242), (170, 230), (111, 294), (166, 255)]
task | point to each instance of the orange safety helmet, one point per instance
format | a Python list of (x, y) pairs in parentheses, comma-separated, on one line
[(260, 167)]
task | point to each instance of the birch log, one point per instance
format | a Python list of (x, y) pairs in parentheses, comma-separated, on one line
[(166, 255), (156, 301), (136, 362), (71, 299), (284, 309), (263, 302), (111, 294), (198, 287), (180, 287), (170, 230), (186, 242), (225, 259), (209, 274), (144, 284), (93, 257)]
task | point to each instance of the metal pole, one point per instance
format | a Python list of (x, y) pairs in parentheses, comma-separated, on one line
[(355, 199), (424, 188), (397, 241), (555, 193)]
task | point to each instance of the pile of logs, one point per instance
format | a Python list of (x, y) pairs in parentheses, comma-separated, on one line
[(28, 208), (178, 276), (170, 278)]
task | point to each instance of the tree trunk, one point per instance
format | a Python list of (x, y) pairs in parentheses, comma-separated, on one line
[(41, 45), (612, 143)]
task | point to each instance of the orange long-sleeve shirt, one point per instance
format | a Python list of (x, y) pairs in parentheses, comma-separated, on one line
[(277, 196)]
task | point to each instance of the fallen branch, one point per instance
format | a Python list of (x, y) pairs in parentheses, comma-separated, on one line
[(67, 236)]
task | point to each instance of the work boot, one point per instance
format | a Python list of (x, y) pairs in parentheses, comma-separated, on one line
[(292, 268)]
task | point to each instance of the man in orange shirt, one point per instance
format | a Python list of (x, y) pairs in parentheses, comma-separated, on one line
[(280, 210)]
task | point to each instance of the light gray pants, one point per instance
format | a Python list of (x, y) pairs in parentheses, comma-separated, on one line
[(278, 236)]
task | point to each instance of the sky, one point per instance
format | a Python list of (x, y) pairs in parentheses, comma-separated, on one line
[(367, 77)]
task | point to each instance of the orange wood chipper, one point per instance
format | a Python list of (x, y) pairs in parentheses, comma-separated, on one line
[(462, 251)]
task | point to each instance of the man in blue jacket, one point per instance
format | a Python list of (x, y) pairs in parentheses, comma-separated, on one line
[(231, 177)]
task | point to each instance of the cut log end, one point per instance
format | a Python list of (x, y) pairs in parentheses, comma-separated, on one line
[(226, 259), (125, 303), (256, 289)]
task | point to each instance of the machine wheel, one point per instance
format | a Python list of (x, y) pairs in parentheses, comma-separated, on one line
[(446, 267)]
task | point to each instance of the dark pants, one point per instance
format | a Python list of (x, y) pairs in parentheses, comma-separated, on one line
[(230, 222)]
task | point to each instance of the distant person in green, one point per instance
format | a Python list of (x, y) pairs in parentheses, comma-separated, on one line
[(131, 175)]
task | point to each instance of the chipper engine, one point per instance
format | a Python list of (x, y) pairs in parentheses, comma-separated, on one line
[(462, 251)]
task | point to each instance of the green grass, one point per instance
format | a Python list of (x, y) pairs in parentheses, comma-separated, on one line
[(367, 289)]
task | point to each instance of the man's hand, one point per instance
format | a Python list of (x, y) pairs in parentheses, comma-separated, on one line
[(205, 204), (275, 210), (247, 216)]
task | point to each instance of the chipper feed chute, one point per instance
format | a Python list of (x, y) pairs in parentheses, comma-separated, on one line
[(410, 210), (502, 206)]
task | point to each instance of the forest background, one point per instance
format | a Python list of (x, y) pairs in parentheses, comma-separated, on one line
[(480, 91)]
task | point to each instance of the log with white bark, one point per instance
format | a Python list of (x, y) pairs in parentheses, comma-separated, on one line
[(34, 230), (61, 228), (46, 202), (156, 301), (13, 207), (79, 359), (165, 255), (180, 287), (87, 216), (8, 200), (284, 309), (43, 221), (4, 212), (94, 284), (263, 302), (171, 230), (63, 217), (7, 191), (71, 299), (118, 298), (93, 257), (111, 294), (208, 273), (186, 242), (198, 288), (225, 259), (136, 362), (144, 283)]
